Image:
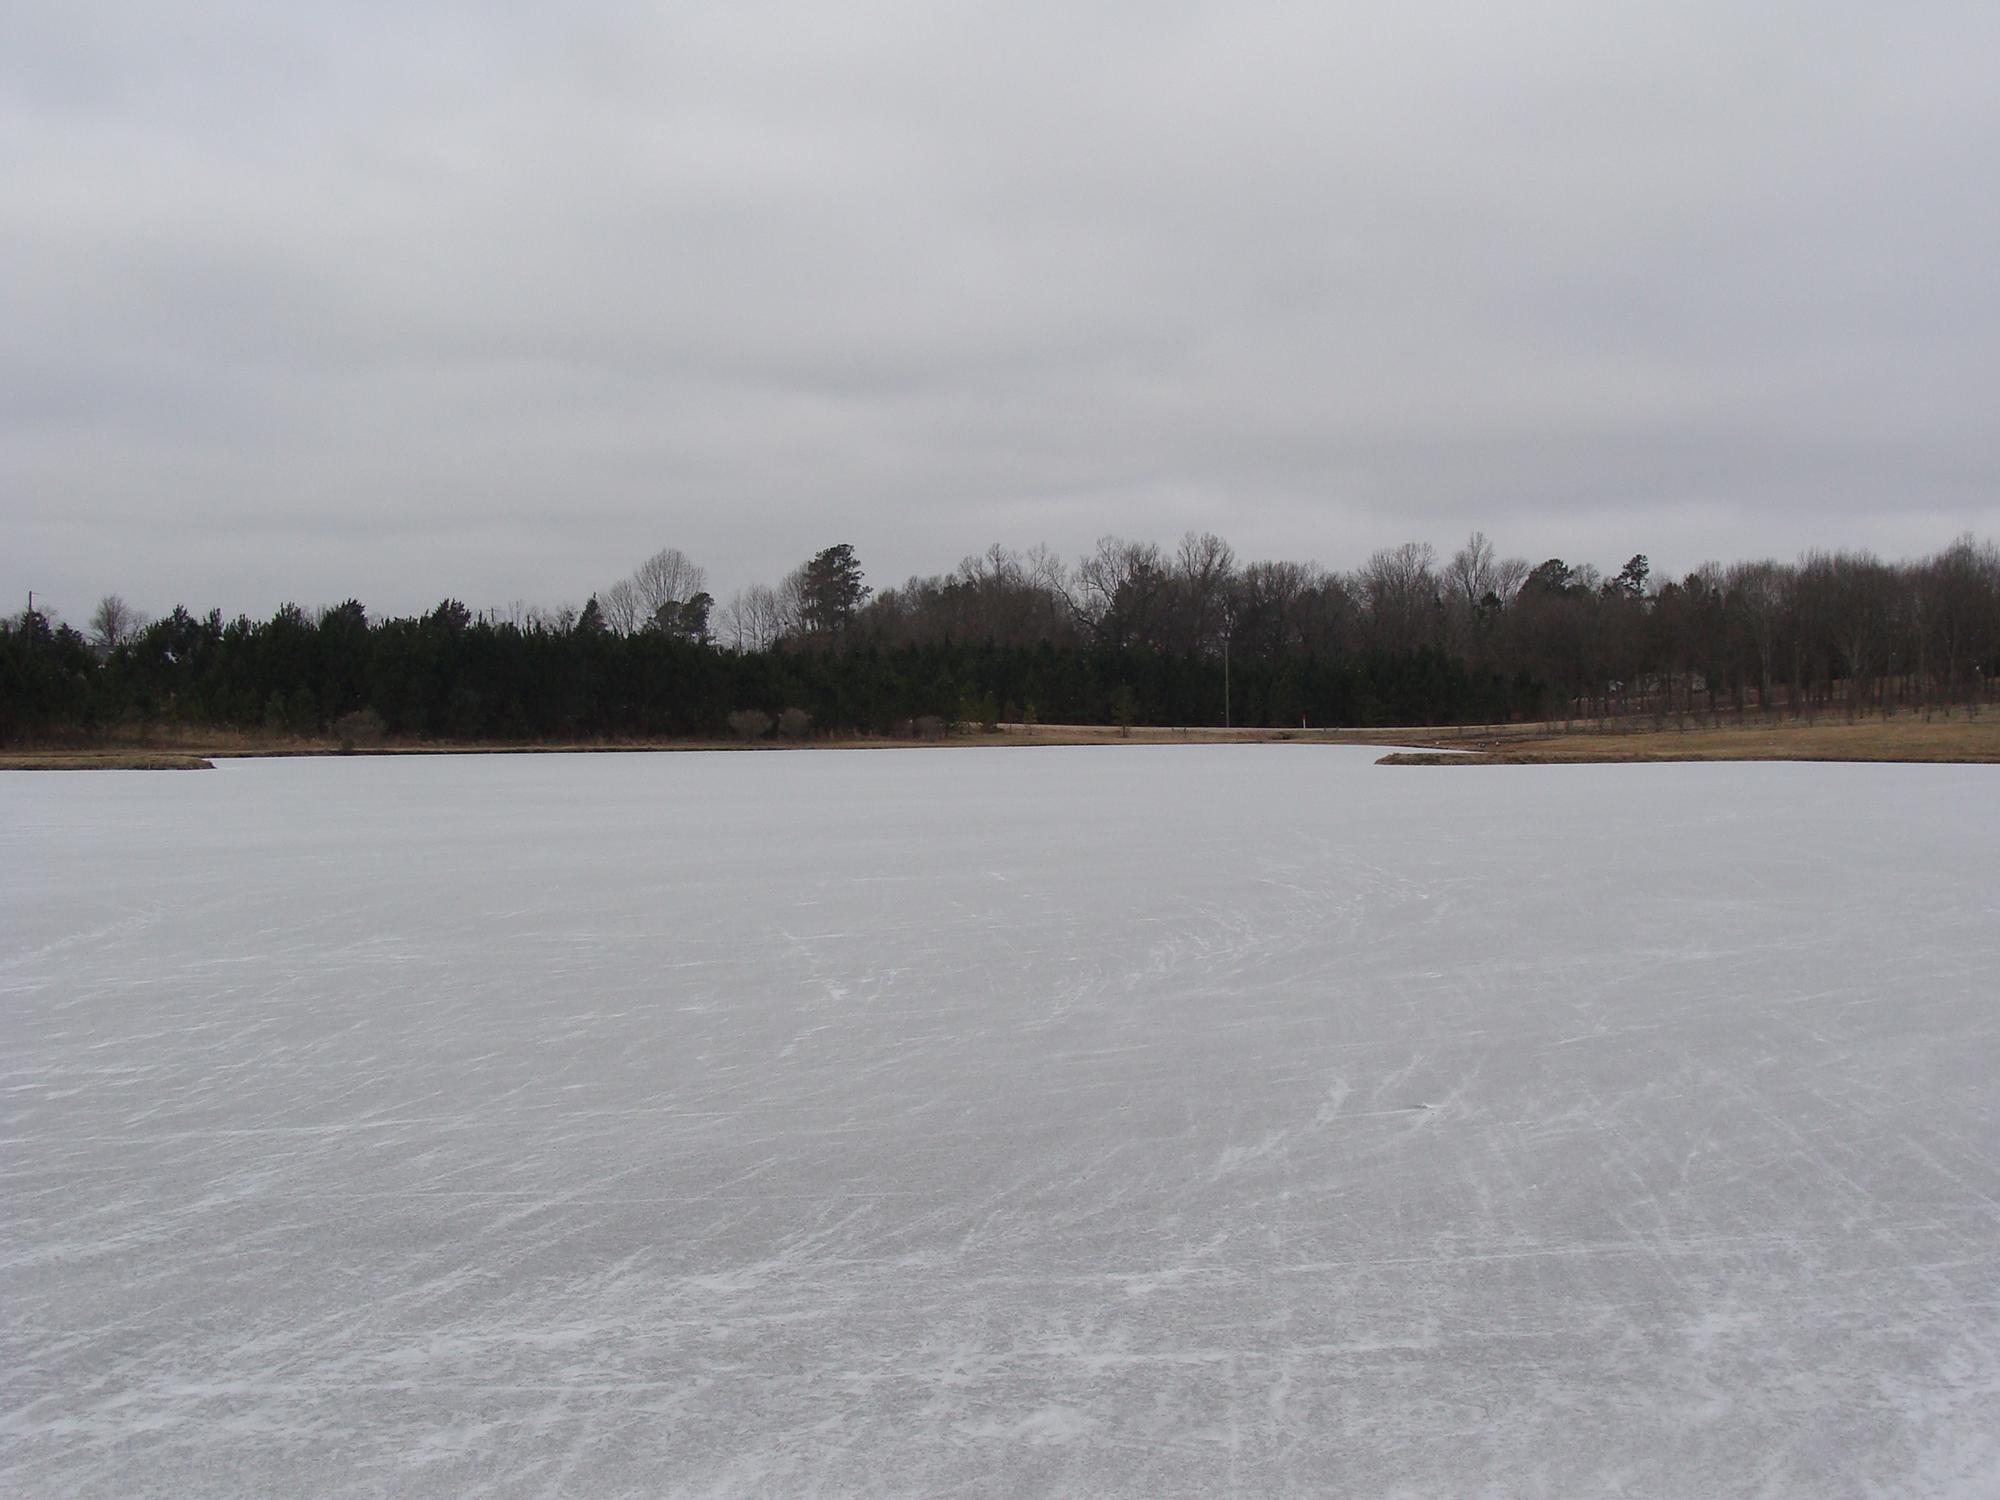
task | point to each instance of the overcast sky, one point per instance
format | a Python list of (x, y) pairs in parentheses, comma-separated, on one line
[(409, 300)]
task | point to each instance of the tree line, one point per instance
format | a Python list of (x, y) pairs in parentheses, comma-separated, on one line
[(1131, 632)]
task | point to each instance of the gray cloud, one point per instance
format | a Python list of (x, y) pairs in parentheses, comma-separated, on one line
[(404, 301)]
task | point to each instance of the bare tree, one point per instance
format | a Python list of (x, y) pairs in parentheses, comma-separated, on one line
[(113, 623), (1469, 580), (522, 615), (624, 609), (1709, 585), (1469, 576), (1277, 608), (753, 619), (1120, 592), (667, 577), (1755, 591), (1961, 592), (1401, 588), (1203, 579), (790, 601), (1810, 623), (997, 596), (1863, 604), (1477, 585)]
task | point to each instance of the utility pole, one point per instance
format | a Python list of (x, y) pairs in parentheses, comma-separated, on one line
[(1228, 630)]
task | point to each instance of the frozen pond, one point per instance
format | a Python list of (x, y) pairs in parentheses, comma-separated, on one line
[(1154, 1121)]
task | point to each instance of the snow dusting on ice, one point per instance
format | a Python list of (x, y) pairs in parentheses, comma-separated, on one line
[(1242, 1120)]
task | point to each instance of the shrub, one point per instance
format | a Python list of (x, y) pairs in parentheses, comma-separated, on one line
[(929, 727), (980, 709), (749, 724), (794, 722), (1124, 708), (302, 713), (362, 727)]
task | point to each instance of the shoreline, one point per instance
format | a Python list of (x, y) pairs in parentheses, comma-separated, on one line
[(1899, 740)]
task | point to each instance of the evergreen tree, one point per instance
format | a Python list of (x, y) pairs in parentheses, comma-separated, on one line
[(831, 591)]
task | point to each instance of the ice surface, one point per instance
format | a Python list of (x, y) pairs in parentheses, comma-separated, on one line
[(1207, 1121)]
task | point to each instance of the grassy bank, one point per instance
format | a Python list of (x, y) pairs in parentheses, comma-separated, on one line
[(102, 760), (1902, 738), (1907, 738)]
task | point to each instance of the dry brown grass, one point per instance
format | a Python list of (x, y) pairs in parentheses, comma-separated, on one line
[(1957, 740), (103, 760), (177, 745), (1903, 738)]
